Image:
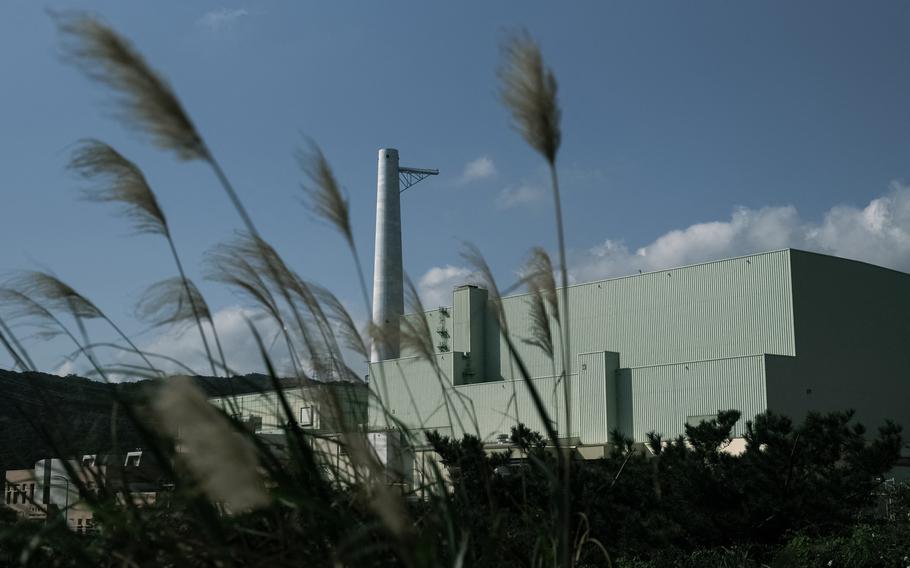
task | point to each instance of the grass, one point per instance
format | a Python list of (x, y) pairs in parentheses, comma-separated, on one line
[(236, 498)]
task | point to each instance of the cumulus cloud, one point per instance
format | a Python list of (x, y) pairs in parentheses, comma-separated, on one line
[(68, 367), (481, 168), (878, 233), (221, 19), (240, 348), (436, 286), (521, 195)]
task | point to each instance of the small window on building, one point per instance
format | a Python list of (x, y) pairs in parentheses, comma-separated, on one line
[(306, 416), (9, 496), (133, 459), (31, 492), (15, 497)]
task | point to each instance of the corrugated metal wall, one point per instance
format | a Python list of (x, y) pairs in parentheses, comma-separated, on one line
[(415, 392), (663, 397), (423, 400), (729, 308), (593, 394), (351, 399)]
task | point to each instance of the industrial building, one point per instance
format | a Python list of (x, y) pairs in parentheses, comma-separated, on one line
[(322, 408), (325, 410), (49, 489), (788, 331)]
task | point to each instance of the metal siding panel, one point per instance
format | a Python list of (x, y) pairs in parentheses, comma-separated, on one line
[(664, 396), (731, 308), (461, 339), (415, 392), (624, 402), (493, 408), (852, 337), (267, 406), (589, 405)]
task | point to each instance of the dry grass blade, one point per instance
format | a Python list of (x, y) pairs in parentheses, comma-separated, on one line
[(347, 329), (324, 194), (224, 463), (146, 100), (10, 343), (168, 303), (120, 181), (528, 90), (239, 264), (19, 306), (61, 296), (539, 276), (259, 256), (541, 336), (229, 264), (261, 265), (542, 287), (35, 284)]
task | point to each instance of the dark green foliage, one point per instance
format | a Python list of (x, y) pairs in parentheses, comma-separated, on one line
[(684, 497), (881, 545), (796, 496)]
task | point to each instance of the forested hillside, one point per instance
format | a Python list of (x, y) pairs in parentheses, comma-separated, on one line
[(80, 412)]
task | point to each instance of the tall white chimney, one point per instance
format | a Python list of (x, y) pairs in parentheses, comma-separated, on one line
[(388, 275)]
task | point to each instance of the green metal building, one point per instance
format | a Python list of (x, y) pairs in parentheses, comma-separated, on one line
[(321, 408), (790, 331)]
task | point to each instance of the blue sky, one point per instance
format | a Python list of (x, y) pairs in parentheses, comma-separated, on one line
[(692, 131)]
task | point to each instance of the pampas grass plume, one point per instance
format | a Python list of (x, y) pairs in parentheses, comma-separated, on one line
[(223, 462)]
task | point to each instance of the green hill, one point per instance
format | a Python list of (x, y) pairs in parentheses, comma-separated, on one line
[(45, 415)]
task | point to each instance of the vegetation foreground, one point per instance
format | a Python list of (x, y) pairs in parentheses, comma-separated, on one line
[(811, 495)]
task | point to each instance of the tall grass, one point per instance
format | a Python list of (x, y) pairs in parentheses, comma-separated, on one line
[(237, 498), (529, 91)]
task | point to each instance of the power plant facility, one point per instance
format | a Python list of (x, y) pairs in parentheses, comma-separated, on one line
[(787, 331)]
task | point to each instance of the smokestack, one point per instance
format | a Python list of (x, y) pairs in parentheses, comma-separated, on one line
[(388, 275)]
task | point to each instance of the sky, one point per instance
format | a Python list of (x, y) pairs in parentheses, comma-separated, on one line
[(691, 131)]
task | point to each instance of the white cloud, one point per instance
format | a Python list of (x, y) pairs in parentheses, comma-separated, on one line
[(240, 348), (68, 367), (436, 286), (519, 196), (878, 233), (481, 168), (221, 19)]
